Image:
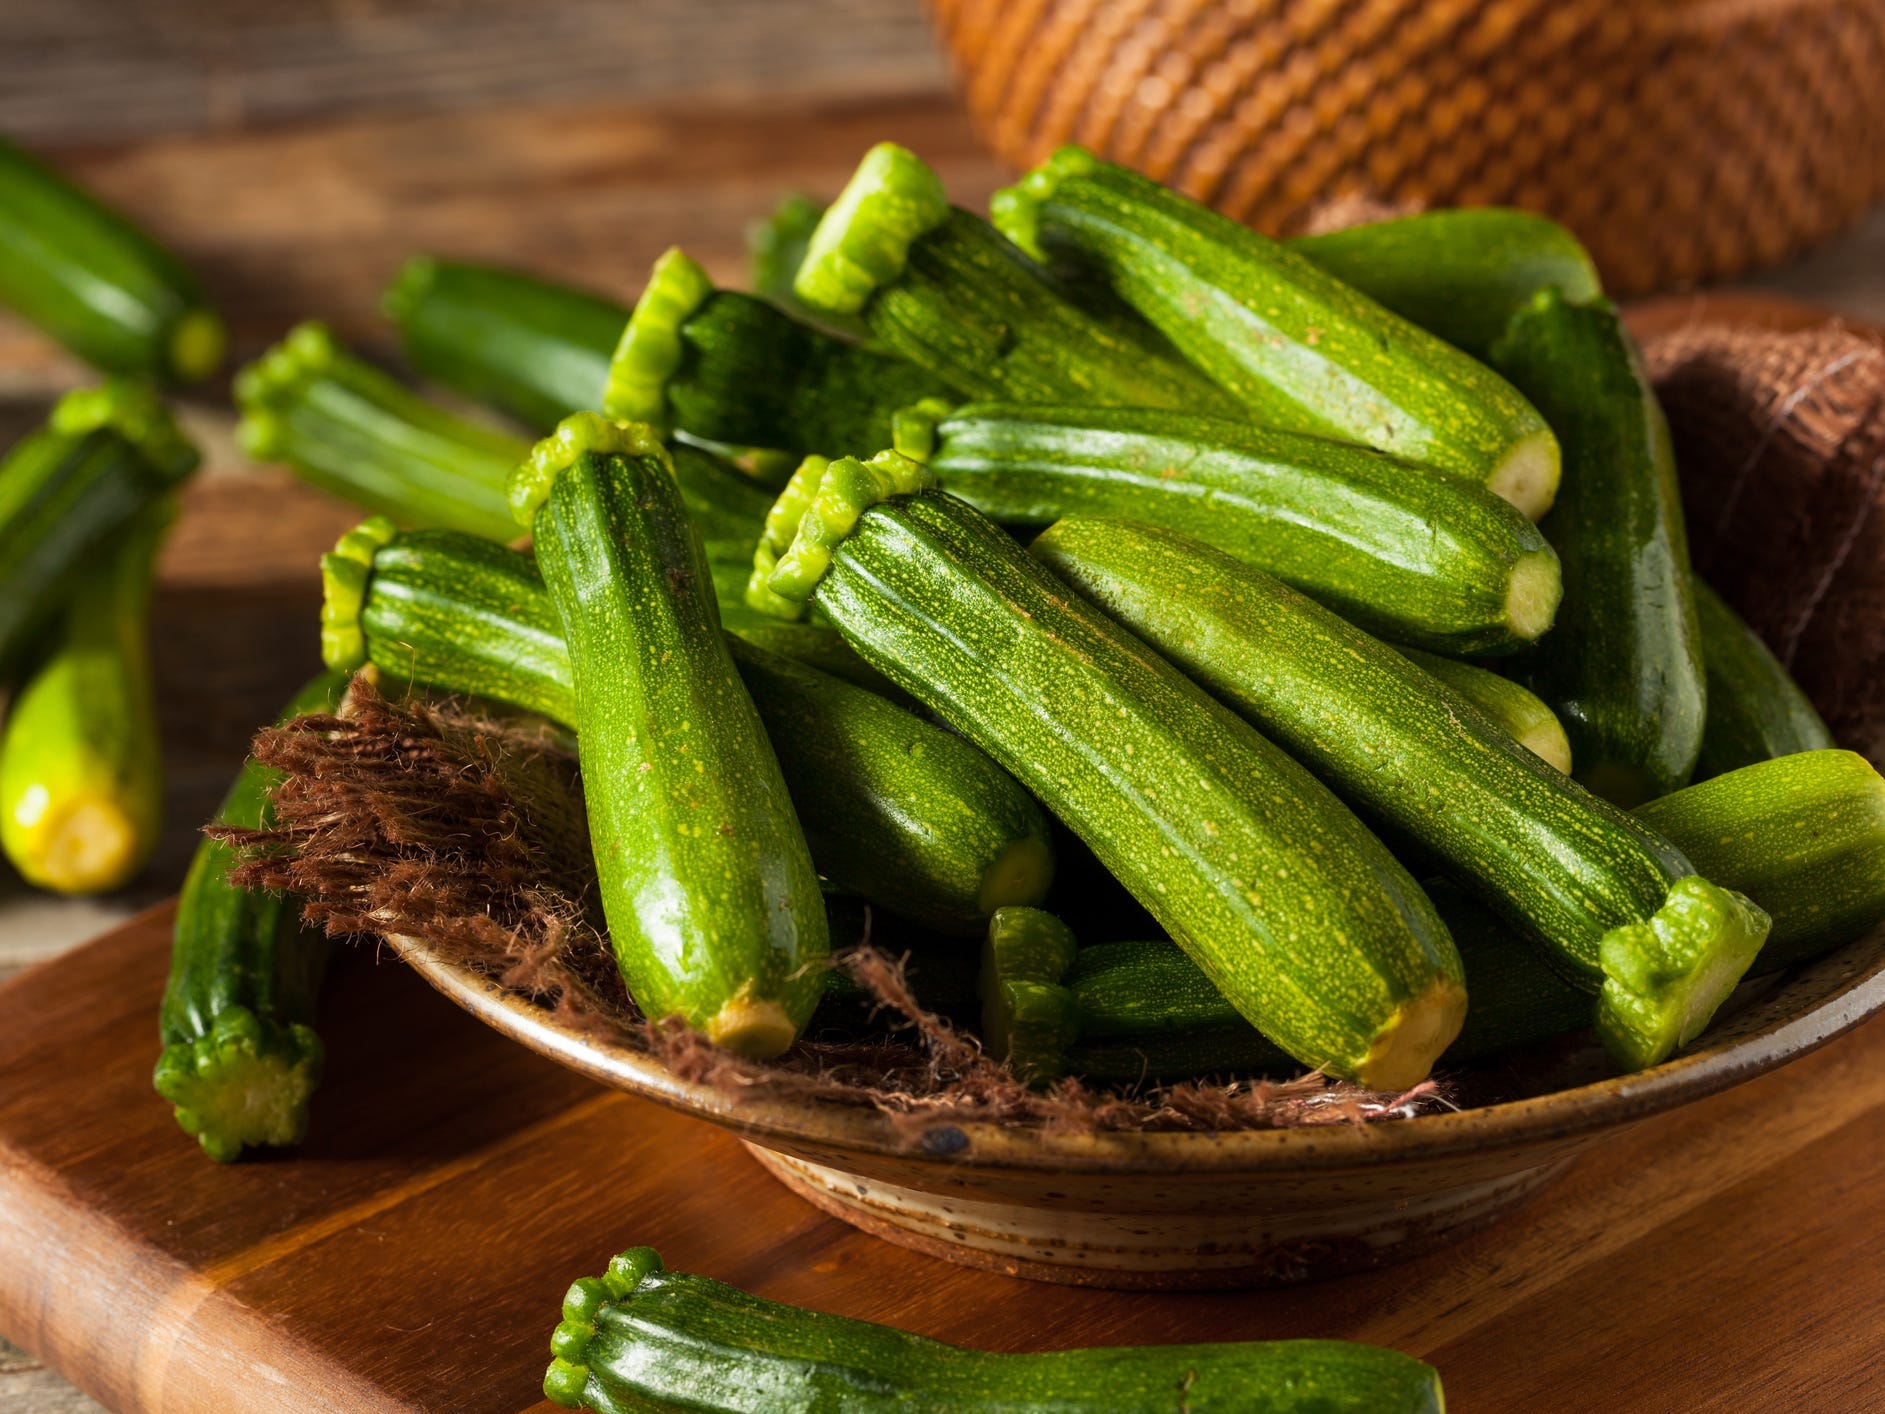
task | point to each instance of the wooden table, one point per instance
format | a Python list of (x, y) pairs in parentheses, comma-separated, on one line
[(295, 156)]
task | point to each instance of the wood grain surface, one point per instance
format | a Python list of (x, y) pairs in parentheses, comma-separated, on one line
[(412, 1256)]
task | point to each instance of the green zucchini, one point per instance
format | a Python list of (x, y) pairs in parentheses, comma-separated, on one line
[(103, 455), (731, 368), (775, 248), (1460, 273), (241, 1059), (1619, 908), (1801, 835), (941, 288), (523, 345), (1420, 559), (1623, 670), (1295, 347), (1756, 711), (644, 1338), (356, 433), (1299, 915), (95, 282), (1517, 711), (81, 769), (893, 808), (705, 879)]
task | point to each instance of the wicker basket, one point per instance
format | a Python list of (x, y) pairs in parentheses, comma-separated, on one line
[(1681, 139)]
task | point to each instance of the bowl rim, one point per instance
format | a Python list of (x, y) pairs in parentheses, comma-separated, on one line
[(1837, 992)]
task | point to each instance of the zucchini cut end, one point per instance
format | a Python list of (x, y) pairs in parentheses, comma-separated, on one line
[(1533, 594), (567, 1379), (1015, 211), (1018, 876), (755, 1029), (245, 1083), (346, 571), (1665, 976), (650, 351), (88, 843), (197, 344), (861, 244), (1403, 1051), (845, 490), (1527, 475), (578, 435), (1546, 740)]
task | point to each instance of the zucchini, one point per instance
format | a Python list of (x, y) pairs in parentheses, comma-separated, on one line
[(893, 808), (727, 367), (81, 769), (1299, 915), (1756, 711), (103, 455), (1295, 347), (1461, 273), (525, 346), (1619, 908), (941, 288), (1517, 711), (1419, 559), (241, 1059), (95, 282), (1623, 670), (356, 433), (706, 882), (1801, 835), (644, 1338), (775, 248)]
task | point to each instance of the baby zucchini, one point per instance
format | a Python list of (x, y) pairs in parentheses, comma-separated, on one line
[(96, 283), (241, 1059), (1420, 559), (894, 809), (81, 769), (103, 455), (729, 368), (644, 1338), (1295, 911), (941, 288), (1295, 347), (1755, 710), (536, 350), (1623, 667), (1619, 907), (708, 887)]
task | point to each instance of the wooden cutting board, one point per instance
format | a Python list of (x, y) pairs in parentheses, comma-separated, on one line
[(1730, 1256)]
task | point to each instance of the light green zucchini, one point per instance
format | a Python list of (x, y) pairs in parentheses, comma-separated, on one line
[(1755, 710), (1299, 915), (1295, 347), (1620, 909)]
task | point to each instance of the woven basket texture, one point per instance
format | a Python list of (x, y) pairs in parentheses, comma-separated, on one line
[(1682, 140)]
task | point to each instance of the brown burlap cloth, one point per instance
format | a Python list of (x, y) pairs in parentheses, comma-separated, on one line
[(428, 819)]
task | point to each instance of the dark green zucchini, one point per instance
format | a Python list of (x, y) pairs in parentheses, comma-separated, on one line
[(1299, 915), (643, 1338), (103, 455), (356, 433), (1461, 273), (1756, 711), (731, 368), (1420, 559), (241, 1058), (943, 289), (1603, 893), (1519, 712), (81, 769), (705, 879), (1295, 347), (1623, 669), (893, 808), (95, 282), (523, 345)]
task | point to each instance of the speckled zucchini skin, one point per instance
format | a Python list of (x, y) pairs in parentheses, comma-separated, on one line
[(1756, 712), (1298, 915), (1557, 863), (1420, 559), (1460, 273), (704, 876), (1294, 347), (642, 1338), (1519, 712), (1623, 667), (894, 808)]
